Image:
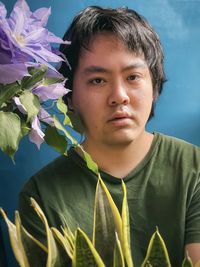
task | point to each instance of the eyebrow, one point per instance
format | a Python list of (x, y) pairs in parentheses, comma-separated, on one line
[(94, 69)]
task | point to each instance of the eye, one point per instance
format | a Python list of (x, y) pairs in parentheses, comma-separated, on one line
[(97, 81), (133, 77)]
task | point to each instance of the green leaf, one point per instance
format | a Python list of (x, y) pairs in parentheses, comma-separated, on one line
[(157, 253), (7, 92), (85, 254), (104, 226), (63, 108), (76, 122), (89, 161), (25, 127), (54, 139), (60, 127), (118, 254), (10, 133), (126, 243), (37, 75), (31, 103), (51, 80)]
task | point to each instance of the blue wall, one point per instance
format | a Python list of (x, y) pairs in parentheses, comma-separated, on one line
[(178, 109)]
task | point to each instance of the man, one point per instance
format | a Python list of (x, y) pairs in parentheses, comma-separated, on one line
[(116, 76)]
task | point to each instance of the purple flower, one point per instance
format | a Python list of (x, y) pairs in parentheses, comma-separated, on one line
[(24, 40), (53, 91), (36, 135), (44, 116), (19, 105)]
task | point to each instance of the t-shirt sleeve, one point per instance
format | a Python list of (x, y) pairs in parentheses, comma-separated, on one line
[(192, 228)]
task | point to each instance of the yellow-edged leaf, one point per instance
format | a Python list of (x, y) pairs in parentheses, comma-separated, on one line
[(34, 252), (55, 257), (118, 254), (126, 243), (157, 253), (115, 212), (104, 226), (63, 241), (187, 262), (14, 240), (85, 254)]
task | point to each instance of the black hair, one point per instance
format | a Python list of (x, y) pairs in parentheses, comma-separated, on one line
[(127, 25)]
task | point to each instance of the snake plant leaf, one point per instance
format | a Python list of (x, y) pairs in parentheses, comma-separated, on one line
[(104, 226), (10, 133), (18, 231), (126, 243), (56, 257), (31, 104), (69, 236), (157, 253), (187, 262), (14, 240), (60, 127), (118, 254), (54, 139), (28, 244), (85, 255), (148, 264), (63, 108), (8, 91), (36, 76), (115, 211), (88, 159), (63, 241)]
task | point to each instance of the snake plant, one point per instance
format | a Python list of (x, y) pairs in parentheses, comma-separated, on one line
[(110, 244)]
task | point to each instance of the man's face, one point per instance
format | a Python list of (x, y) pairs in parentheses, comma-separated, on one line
[(112, 92)]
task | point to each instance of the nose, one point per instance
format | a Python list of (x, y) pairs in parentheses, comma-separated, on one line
[(118, 95)]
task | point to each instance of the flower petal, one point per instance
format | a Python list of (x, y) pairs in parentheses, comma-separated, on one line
[(53, 91), (10, 73), (3, 11), (42, 15), (36, 135), (43, 115), (19, 105)]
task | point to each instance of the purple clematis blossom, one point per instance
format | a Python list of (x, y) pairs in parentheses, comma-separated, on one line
[(24, 41), (53, 91), (36, 135), (19, 105), (44, 116)]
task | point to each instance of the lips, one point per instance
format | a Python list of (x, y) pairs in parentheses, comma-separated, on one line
[(121, 119), (119, 116)]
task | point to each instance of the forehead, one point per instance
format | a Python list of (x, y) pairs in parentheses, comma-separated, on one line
[(105, 46)]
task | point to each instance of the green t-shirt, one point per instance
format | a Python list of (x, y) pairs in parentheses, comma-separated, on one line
[(163, 191)]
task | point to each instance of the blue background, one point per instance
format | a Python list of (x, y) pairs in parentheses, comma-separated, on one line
[(178, 109)]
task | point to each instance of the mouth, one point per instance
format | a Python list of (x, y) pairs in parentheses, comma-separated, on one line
[(120, 119)]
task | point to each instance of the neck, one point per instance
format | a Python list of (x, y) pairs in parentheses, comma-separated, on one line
[(119, 160)]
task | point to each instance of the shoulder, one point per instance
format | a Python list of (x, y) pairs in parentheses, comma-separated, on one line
[(178, 155), (175, 145), (57, 173)]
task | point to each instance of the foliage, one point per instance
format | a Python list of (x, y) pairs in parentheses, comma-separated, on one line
[(28, 81), (110, 244)]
